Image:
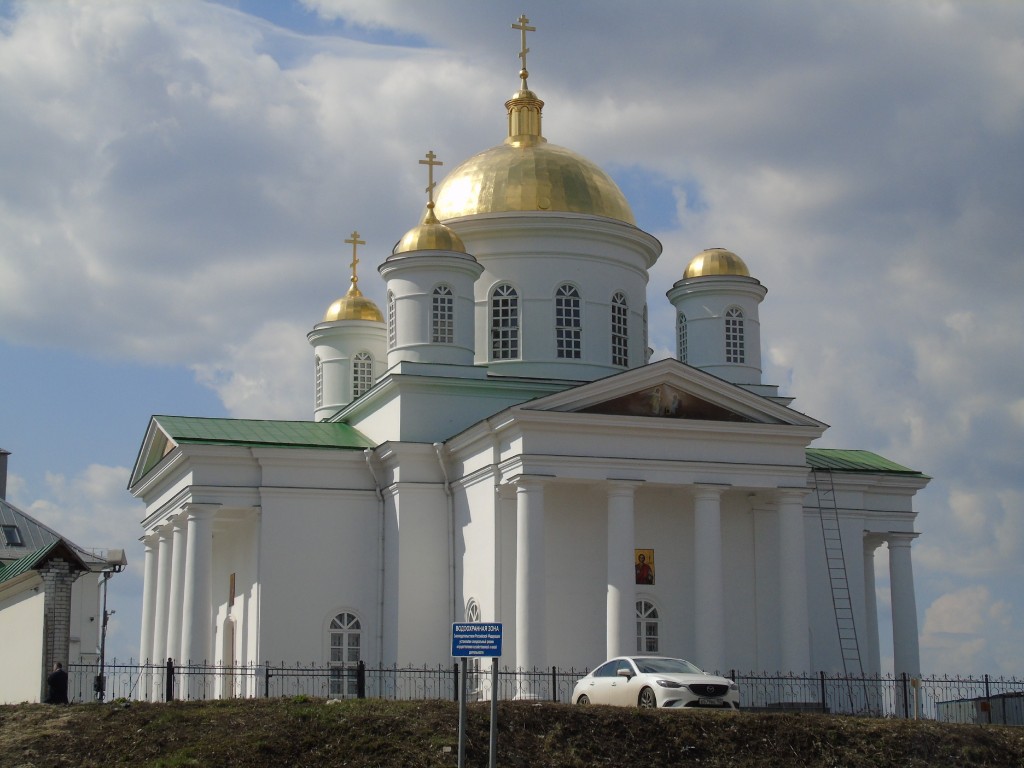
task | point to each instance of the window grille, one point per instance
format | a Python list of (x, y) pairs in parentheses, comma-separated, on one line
[(442, 316), (362, 373), (647, 622), (319, 382), (681, 351), (735, 351), (568, 323), (504, 323), (392, 323), (345, 634), (620, 336)]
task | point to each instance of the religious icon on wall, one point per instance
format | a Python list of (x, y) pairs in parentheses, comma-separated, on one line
[(644, 565)]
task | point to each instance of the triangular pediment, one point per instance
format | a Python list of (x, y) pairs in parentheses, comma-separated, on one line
[(669, 389), (664, 401)]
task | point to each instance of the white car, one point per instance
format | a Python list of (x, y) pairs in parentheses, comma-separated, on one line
[(655, 681)]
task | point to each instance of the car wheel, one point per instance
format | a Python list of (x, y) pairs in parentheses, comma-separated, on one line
[(647, 699), (583, 699)]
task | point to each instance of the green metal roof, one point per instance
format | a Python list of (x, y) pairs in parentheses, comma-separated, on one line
[(287, 434), (31, 561), (855, 461)]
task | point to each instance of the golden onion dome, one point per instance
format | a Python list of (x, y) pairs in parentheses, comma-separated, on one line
[(716, 261), (353, 306), (431, 235), (526, 173)]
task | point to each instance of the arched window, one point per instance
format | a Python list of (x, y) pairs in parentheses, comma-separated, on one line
[(472, 610), (568, 322), (362, 373), (392, 326), (442, 316), (646, 627), (734, 345), (345, 633), (504, 323), (681, 337), (620, 328), (319, 377)]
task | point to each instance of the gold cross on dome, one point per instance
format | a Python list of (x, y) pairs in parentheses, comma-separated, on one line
[(523, 28), (430, 162), (356, 242)]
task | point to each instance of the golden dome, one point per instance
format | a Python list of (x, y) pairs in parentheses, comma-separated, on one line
[(431, 235), (526, 173), (716, 261), (353, 306)]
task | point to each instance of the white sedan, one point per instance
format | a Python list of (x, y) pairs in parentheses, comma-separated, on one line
[(655, 681)]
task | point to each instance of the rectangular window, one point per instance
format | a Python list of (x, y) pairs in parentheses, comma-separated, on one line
[(12, 536), (442, 316)]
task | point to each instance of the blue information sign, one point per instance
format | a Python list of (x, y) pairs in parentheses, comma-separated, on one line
[(477, 638)]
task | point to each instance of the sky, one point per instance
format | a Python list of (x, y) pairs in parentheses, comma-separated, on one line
[(177, 180)]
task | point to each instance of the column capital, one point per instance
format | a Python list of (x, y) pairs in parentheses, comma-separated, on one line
[(529, 482), (709, 490), (784, 493), (622, 487), (873, 540), (900, 538), (194, 509)]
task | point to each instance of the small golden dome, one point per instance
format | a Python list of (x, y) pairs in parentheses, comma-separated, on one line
[(431, 235), (353, 306), (716, 261)]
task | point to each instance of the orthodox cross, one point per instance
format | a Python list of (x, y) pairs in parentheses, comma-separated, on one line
[(523, 29), (356, 242), (430, 162)]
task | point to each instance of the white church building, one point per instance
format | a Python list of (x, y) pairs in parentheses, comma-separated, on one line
[(494, 444)]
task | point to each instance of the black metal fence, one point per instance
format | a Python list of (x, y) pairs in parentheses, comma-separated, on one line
[(983, 699)]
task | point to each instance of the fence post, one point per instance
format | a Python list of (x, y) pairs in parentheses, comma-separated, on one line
[(554, 683), (169, 681), (824, 701), (455, 669), (361, 680), (988, 703), (266, 680), (904, 681)]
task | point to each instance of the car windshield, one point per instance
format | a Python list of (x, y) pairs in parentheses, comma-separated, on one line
[(666, 667)]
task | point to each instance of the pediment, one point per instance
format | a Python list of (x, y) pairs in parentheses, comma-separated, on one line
[(664, 401), (669, 389)]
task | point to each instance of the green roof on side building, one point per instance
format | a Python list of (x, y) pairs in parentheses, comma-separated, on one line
[(844, 460)]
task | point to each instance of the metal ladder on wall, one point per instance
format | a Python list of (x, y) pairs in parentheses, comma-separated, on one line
[(835, 560)]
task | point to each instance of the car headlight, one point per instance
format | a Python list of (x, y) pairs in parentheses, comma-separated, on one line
[(669, 684), (733, 687)]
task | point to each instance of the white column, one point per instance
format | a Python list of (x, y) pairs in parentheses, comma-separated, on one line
[(709, 590), (794, 617), (530, 581), (163, 595), (150, 564), (148, 607), (177, 585), (906, 653), (621, 595), (873, 665), (197, 613)]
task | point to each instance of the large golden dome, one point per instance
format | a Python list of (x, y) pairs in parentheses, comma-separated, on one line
[(526, 173), (716, 261)]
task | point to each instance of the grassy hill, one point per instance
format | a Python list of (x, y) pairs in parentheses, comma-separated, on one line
[(310, 732)]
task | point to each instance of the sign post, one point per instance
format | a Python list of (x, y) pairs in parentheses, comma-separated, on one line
[(477, 639)]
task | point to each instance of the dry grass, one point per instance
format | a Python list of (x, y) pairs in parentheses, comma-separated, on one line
[(310, 732)]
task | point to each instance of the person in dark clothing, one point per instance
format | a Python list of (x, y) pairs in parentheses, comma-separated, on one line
[(57, 685)]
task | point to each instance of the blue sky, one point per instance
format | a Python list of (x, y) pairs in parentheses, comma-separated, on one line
[(177, 180)]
